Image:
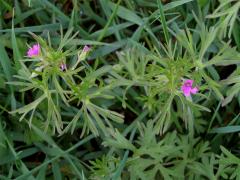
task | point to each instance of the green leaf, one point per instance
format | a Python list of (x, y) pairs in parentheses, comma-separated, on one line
[(226, 129)]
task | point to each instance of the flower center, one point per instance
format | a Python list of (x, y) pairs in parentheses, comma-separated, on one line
[(188, 84)]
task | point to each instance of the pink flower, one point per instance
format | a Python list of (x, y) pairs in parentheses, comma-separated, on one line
[(34, 50), (187, 88), (86, 48)]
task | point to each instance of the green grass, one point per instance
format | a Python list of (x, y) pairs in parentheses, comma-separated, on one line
[(118, 111)]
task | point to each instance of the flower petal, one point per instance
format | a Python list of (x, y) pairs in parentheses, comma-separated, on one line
[(188, 82), (86, 48), (186, 90), (194, 90), (34, 50)]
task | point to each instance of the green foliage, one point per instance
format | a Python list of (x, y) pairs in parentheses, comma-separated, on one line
[(119, 111), (46, 79)]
